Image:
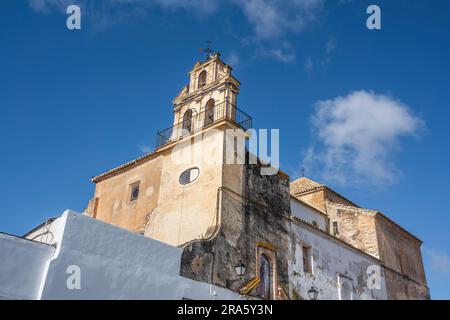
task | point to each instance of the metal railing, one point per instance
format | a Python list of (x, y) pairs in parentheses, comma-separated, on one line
[(219, 112)]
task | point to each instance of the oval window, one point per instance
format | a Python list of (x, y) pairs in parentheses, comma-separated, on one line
[(189, 176)]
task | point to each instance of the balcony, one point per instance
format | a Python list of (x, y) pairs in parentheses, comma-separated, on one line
[(220, 112)]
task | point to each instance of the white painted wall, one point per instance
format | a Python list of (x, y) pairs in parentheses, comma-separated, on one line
[(117, 264), (22, 265), (308, 214), (46, 233), (334, 263)]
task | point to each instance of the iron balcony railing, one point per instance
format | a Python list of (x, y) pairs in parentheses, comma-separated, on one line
[(219, 112)]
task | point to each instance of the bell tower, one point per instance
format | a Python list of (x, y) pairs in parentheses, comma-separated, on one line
[(173, 193), (210, 94), (188, 205)]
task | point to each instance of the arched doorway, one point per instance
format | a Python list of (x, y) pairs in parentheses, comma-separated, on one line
[(209, 112), (265, 277)]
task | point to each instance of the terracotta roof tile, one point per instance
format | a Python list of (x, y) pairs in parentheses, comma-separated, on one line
[(303, 185)]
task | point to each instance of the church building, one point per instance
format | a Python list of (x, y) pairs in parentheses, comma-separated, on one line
[(290, 236), (199, 218)]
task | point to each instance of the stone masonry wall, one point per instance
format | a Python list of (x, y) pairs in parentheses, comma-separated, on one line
[(315, 199), (400, 252), (356, 227), (259, 214)]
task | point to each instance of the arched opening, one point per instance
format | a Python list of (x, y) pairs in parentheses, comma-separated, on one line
[(265, 277), (187, 121), (202, 79), (209, 112)]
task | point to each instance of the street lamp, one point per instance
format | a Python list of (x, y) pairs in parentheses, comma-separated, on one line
[(312, 293), (240, 271), (240, 268)]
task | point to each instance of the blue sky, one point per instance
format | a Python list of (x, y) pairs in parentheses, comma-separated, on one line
[(77, 103)]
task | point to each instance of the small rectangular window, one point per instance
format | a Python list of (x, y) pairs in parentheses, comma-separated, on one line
[(335, 228), (307, 259), (134, 191)]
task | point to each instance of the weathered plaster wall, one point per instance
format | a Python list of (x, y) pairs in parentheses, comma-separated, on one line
[(22, 265), (371, 232), (330, 259), (187, 212), (114, 196), (402, 288), (356, 226), (307, 214), (258, 214), (401, 252), (398, 250)]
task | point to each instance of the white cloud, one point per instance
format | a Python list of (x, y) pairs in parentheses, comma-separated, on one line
[(330, 46), (272, 19), (281, 55), (204, 6), (325, 59), (232, 59), (439, 261), (45, 5), (269, 18), (356, 137), (113, 11), (309, 64)]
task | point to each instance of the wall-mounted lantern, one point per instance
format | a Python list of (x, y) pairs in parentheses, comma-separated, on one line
[(312, 293), (240, 268)]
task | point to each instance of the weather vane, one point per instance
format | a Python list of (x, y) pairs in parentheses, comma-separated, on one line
[(208, 51)]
